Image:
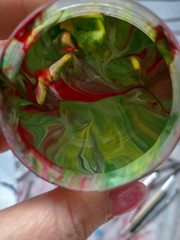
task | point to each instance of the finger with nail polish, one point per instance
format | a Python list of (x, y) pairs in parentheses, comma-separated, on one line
[(63, 214)]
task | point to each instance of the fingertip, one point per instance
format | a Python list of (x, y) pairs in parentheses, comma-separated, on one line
[(126, 198)]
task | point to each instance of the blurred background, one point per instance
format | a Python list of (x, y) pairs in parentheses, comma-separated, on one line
[(18, 184)]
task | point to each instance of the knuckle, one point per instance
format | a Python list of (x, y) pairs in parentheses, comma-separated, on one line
[(74, 226)]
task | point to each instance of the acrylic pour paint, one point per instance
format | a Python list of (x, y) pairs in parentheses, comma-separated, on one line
[(93, 93), (89, 95)]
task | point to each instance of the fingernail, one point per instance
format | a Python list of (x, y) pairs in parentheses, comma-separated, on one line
[(124, 199)]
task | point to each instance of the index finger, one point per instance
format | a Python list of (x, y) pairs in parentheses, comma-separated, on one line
[(12, 12)]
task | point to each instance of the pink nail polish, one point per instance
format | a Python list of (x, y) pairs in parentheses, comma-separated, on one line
[(126, 198)]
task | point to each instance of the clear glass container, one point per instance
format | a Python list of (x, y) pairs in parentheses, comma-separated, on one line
[(100, 174)]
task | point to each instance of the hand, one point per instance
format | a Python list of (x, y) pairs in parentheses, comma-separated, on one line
[(60, 214), (63, 214)]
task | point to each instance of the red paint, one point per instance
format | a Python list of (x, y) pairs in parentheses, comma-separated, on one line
[(142, 235), (45, 76), (163, 33), (76, 45), (141, 55), (65, 92), (59, 178), (23, 33), (153, 104), (155, 99), (25, 29), (128, 38), (171, 37), (30, 90), (30, 148), (159, 33), (49, 140), (155, 65), (69, 49), (82, 183)]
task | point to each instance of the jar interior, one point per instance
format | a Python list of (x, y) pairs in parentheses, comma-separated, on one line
[(92, 95)]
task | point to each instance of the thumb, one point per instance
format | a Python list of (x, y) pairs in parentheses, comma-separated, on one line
[(63, 214)]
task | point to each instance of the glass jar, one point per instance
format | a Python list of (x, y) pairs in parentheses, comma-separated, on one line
[(24, 38)]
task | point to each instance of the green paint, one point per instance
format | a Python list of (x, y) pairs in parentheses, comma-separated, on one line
[(108, 56)]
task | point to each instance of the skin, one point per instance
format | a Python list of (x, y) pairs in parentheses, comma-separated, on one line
[(18, 10), (60, 214)]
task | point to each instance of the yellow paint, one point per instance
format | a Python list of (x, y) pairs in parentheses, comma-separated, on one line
[(66, 39), (57, 66), (41, 92), (67, 25), (135, 63)]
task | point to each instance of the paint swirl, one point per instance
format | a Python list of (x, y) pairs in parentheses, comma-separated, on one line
[(92, 95)]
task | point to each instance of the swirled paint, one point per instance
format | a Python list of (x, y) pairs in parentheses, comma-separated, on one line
[(92, 94)]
